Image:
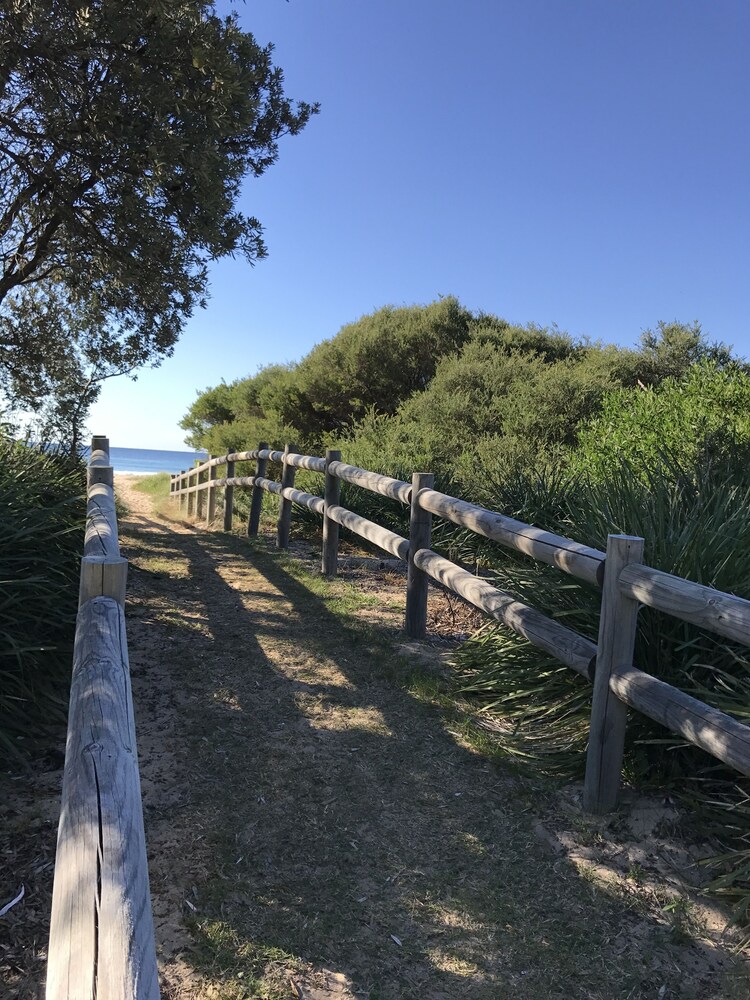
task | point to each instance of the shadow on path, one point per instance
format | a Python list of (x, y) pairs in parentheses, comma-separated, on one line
[(317, 815)]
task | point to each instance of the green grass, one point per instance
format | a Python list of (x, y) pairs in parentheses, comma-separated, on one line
[(156, 485), (41, 536)]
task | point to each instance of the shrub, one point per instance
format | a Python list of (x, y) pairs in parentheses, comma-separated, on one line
[(41, 539), (696, 524)]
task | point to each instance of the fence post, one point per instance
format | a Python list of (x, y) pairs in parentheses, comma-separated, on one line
[(617, 631), (228, 498), (190, 496), (100, 442), (284, 524), (103, 576), (181, 490), (211, 505), (256, 503), (420, 531), (100, 474), (200, 496), (332, 496)]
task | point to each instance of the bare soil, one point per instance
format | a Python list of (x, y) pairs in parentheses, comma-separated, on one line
[(321, 826)]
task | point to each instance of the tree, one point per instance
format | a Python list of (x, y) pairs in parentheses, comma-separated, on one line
[(125, 133)]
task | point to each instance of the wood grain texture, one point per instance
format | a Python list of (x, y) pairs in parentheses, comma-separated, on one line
[(100, 536), (103, 576), (417, 583), (291, 493), (372, 481), (284, 523), (387, 540), (578, 560), (200, 496), (572, 649), (100, 474), (311, 462), (236, 481), (100, 442), (714, 731), (190, 495), (692, 602), (615, 647), (101, 936), (256, 501), (228, 496), (332, 497), (211, 494)]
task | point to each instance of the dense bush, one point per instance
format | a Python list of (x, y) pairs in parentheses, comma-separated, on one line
[(41, 537), (702, 417)]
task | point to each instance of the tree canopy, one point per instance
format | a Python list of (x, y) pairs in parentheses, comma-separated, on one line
[(125, 133)]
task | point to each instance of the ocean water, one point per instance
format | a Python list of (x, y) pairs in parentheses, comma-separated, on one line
[(148, 460)]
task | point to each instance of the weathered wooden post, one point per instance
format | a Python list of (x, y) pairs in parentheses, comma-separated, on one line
[(200, 496), (331, 498), (211, 504), (256, 502), (284, 524), (228, 498), (617, 631), (420, 532), (101, 474), (191, 495), (99, 442), (99, 469), (181, 491)]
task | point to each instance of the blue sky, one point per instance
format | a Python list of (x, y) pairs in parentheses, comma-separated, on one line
[(558, 161)]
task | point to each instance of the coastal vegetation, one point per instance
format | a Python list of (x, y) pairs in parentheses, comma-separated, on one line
[(41, 538)]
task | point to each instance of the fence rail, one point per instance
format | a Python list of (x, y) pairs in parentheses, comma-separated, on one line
[(101, 944), (625, 583)]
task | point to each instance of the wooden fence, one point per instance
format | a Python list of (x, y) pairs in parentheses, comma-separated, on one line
[(101, 943), (625, 582)]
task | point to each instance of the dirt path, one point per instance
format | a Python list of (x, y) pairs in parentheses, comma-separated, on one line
[(317, 825)]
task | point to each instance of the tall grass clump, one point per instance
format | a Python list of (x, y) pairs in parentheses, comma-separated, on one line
[(696, 524), (42, 498)]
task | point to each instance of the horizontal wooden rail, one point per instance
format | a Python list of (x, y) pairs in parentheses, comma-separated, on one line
[(290, 493), (310, 462), (101, 933), (714, 731), (693, 602), (567, 646), (571, 557), (631, 583), (235, 481), (101, 944), (387, 540), (100, 537), (396, 489)]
